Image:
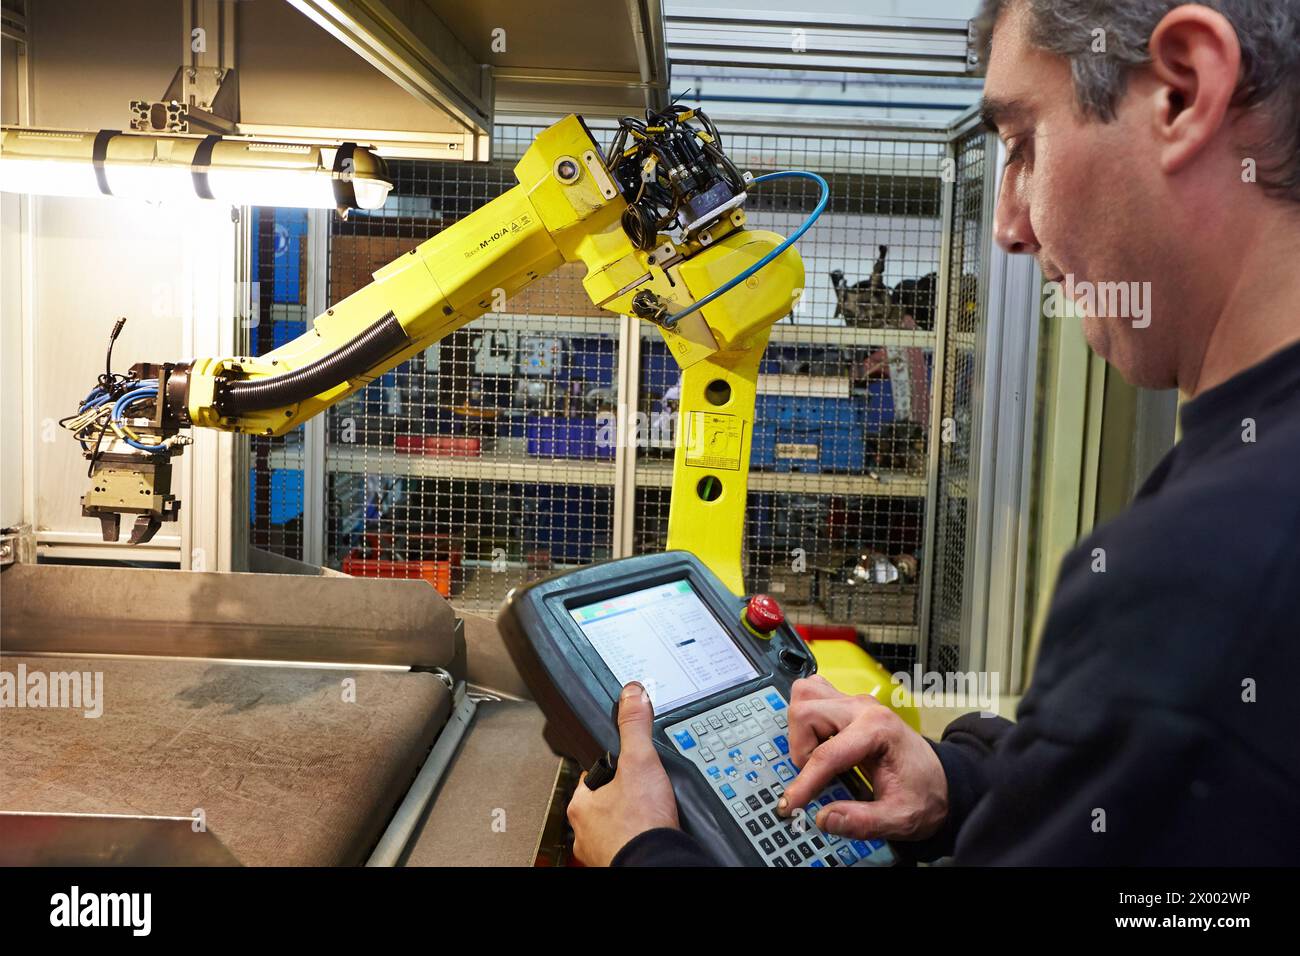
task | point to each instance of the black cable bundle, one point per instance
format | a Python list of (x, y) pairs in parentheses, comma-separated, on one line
[(687, 163)]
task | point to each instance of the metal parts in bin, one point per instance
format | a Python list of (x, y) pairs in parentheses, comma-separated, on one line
[(865, 603)]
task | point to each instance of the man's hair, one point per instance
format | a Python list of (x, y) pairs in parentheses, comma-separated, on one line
[(1268, 31)]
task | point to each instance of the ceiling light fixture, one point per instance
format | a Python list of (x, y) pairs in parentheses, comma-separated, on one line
[(164, 168)]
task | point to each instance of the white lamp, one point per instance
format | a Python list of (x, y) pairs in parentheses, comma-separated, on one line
[(182, 168)]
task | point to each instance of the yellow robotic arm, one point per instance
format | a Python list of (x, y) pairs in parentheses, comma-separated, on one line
[(569, 206)]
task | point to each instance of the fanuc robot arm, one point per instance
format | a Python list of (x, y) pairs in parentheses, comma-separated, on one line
[(657, 221)]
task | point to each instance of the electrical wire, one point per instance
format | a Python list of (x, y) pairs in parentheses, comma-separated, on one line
[(145, 391), (789, 241)]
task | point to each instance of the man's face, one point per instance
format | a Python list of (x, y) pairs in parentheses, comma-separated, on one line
[(1084, 198)]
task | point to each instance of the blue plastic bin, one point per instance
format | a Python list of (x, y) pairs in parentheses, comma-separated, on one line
[(568, 438), (809, 433), (572, 523)]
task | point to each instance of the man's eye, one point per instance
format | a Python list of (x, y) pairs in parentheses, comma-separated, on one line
[(1016, 151)]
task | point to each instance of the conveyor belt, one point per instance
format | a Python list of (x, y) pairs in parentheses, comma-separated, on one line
[(285, 769)]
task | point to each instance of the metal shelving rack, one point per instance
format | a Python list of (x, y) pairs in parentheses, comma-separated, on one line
[(508, 512)]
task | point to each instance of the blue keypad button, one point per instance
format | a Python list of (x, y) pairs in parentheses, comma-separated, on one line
[(728, 791), (774, 701), (846, 855), (735, 753), (756, 759), (782, 744), (752, 776), (732, 773), (818, 863), (861, 847), (783, 771), (877, 844), (713, 772), (839, 793), (684, 739)]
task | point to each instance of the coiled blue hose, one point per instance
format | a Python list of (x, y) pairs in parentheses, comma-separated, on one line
[(790, 241)]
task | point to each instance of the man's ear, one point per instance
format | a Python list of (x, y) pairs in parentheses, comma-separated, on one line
[(1196, 60)]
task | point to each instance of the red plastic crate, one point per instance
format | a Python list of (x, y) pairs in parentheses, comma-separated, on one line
[(826, 632), (437, 573), (441, 446)]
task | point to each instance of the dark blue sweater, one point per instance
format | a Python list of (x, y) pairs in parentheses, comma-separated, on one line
[(1162, 725)]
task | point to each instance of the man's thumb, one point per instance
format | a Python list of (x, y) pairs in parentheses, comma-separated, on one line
[(635, 720)]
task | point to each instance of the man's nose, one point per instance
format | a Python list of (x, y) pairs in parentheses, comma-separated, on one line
[(1011, 225)]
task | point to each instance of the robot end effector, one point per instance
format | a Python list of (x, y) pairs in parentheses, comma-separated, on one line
[(129, 427)]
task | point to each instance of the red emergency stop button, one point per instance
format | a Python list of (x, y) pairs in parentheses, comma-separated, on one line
[(763, 615)]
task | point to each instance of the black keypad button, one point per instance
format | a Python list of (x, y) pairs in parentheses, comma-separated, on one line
[(806, 851), (766, 844), (753, 827), (753, 802), (792, 856), (780, 839), (832, 860), (777, 861), (766, 820), (766, 796), (816, 841)]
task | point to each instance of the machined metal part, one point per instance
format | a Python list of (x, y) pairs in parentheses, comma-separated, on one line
[(596, 167), (17, 545), (714, 214), (197, 100)]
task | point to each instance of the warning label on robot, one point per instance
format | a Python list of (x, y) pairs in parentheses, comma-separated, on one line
[(714, 441)]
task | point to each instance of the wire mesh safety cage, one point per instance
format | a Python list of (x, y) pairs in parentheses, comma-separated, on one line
[(279, 313), (481, 463), (957, 404)]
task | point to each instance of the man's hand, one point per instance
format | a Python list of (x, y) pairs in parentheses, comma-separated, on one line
[(831, 733), (639, 798)]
